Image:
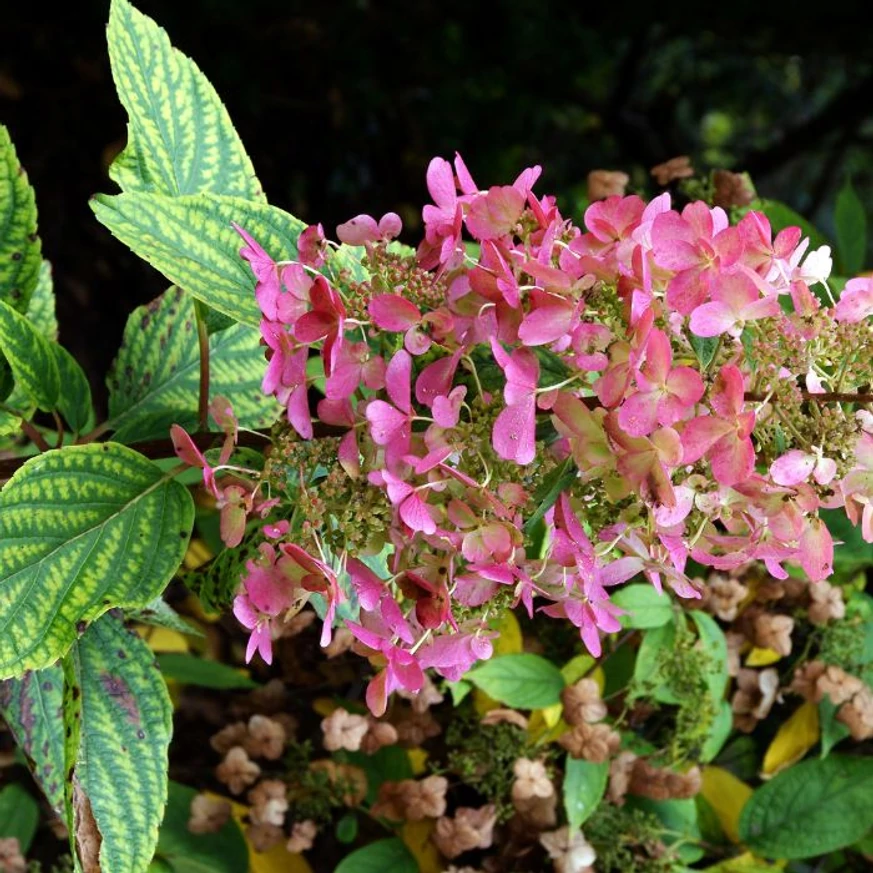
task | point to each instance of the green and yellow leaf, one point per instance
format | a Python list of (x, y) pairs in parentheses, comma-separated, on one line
[(82, 529), (191, 241), (20, 247), (180, 139), (120, 765), (155, 380), (31, 358)]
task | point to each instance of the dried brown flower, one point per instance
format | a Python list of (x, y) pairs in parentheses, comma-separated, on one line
[(423, 700), (805, 681), (570, 854), (340, 643), (11, 859), (234, 734), (754, 697), (531, 780), (237, 771), (837, 684), (266, 738), (208, 814), (413, 728), (303, 835), (379, 734), (723, 596), (593, 742), (343, 730), (826, 603), (663, 784), (857, 714), (582, 703), (269, 802), (264, 837), (507, 716), (732, 189), (469, 829), (676, 168), (351, 779), (773, 632), (606, 183), (620, 769), (411, 799)]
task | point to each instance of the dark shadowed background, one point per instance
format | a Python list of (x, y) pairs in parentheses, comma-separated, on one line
[(341, 105)]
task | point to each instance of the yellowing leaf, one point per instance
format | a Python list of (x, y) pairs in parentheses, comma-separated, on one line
[(541, 732), (482, 703), (793, 740), (198, 554), (599, 677), (727, 795), (762, 657), (277, 860), (576, 668), (552, 714), (418, 761), (510, 641), (163, 639), (745, 863), (416, 836), (324, 706)]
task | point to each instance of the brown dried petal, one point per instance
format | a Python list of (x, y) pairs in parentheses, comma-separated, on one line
[(676, 168), (266, 738), (208, 814), (234, 734), (582, 703), (343, 730), (837, 684), (303, 835), (774, 632), (606, 183), (237, 771), (593, 742)]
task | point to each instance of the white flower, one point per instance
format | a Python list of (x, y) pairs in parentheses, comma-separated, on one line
[(817, 266)]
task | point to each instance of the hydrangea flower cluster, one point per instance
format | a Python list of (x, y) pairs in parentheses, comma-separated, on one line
[(543, 412)]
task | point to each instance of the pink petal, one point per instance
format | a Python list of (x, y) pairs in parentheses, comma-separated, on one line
[(416, 514), (792, 468), (393, 312), (358, 230), (298, 412), (514, 434), (733, 460), (817, 550), (185, 448), (398, 376), (441, 183), (546, 324), (390, 225), (712, 319), (700, 434), (638, 415)]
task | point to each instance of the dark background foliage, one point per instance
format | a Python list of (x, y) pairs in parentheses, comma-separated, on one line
[(341, 105)]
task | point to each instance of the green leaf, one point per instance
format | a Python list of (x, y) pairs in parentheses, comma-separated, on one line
[(180, 139), (853, 554), (655, 641), (191, 670), (159, 613), (679, 818), (389, 764), (74, 400), (126, 723), (548, 492), (41, 309), (379, 857), (31, 358), (19, 816), (82, 529), (850, 223), (222, 852), (155, 380), (812, 808), (644, 606), (705, 347), (347, 828), (20, 248), (459, 690), (719, 732), (713, 642), (191, 241), (584, 787), (521, 681), (31, 706), (832, 731)]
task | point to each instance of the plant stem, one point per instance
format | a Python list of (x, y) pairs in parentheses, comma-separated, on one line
[(34, 436)]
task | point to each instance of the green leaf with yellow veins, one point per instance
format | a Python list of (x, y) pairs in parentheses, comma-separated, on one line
[(155, 380), (20, 248), (31, 706), (31, 358), (74, 400), (191, 241), (82, 529), (41, 309), (125, 724), (180, 139)]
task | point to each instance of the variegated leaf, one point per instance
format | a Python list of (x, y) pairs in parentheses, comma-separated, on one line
[(82, 529), (155, 380), (180, 137), (191, 241)]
